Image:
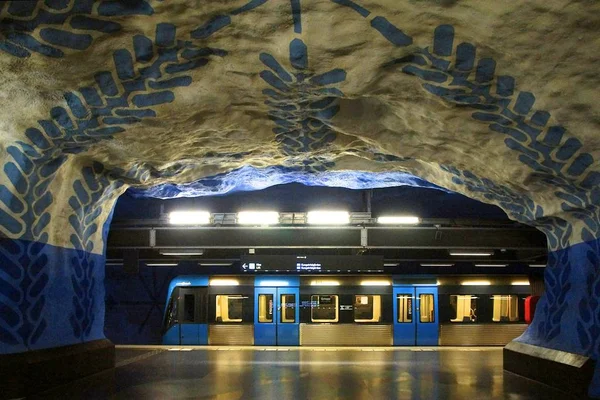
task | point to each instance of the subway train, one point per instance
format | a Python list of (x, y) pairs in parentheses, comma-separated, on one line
[(364, 310)]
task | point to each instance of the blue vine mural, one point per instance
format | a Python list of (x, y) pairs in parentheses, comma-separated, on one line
[(53, 19), (91, 193), (22, 320), (301, 104), (101, 111)]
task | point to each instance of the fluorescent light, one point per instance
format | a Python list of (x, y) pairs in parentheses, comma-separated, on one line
[(437, 265), (224, 282), (391, 264), (189, 217), (537, 265), (472, 253), (399, 220), (258, 218), (181, 252), (520, 283), (491, 265), (162, 265), (274, 283), (476, 283), (324, 283), (328, 217), (215, 264), (375, 283)]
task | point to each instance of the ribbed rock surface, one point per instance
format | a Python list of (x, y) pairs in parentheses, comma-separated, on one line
[(455, 92)]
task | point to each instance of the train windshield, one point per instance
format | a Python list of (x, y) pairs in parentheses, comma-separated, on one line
[(171, 316)]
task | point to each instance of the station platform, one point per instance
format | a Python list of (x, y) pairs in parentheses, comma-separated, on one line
[(228, 373)]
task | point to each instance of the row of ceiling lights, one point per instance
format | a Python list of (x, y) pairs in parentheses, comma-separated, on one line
[(319, 217)]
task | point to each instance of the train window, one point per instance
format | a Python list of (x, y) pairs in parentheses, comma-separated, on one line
[(288, 308), (367, 308), (265, 308), (324, 308), (506, 308), (426, 309), (229, 308), (189, 307), (464, 307), (404, 308)]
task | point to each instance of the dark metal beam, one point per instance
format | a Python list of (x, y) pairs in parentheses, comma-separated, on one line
[(511, 238)]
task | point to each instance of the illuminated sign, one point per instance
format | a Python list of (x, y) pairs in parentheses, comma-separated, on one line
[(311, 264)]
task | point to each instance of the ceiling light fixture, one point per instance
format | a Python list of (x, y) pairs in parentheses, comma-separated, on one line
[(182, 252), (491, 265), (258, 217), (471, 253), (161, 264), (437, 265), (215, 264), (189, 217), (399, 220), (328, 217)]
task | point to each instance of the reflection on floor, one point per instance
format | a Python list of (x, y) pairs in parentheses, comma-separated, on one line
[(231, 373)]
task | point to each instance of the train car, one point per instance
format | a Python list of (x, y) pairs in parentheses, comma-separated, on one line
[(344, 310)]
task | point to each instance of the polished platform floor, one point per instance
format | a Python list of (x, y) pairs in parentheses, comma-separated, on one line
[(224, 373)]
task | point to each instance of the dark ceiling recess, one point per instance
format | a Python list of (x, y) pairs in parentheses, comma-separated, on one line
[(450, 222)]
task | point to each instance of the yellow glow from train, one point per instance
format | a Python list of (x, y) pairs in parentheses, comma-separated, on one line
[(324, 283), (476, 283), (224, 282), (375, 283)]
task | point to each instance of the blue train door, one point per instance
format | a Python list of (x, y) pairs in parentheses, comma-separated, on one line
[(276, 316), (265, 324), (288, 316), (427, 315), (416, 319), (193, 329), (405, 329)]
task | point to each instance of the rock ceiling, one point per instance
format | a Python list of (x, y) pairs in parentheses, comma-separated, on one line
[(496, 100)]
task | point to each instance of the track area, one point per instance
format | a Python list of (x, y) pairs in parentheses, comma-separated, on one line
[(228, 373)]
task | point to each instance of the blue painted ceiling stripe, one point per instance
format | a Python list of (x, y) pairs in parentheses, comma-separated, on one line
[(390, 32), (296, 15)]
